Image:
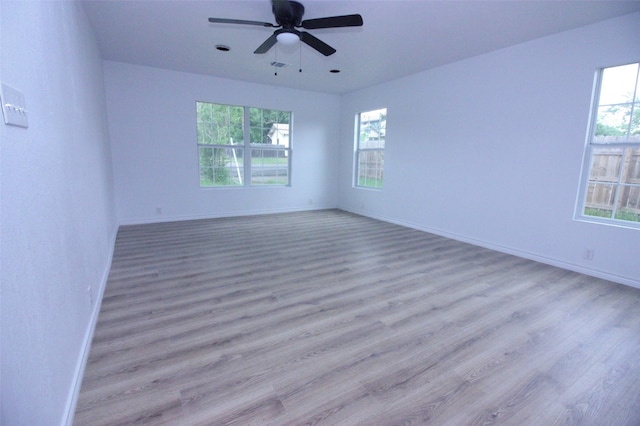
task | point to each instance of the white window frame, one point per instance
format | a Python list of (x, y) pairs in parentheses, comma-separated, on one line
[(361, 151), (592, 144), (248, 149)]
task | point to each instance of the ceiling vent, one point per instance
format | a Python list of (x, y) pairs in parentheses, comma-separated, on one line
[(279, 64)]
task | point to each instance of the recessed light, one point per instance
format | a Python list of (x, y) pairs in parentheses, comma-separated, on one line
[(223, 48), (334, 71)]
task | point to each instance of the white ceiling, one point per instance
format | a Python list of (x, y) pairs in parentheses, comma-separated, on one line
[(398, 38)]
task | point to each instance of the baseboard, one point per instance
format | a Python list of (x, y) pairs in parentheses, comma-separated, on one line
[(74, 392), (508, 250), (256, 212)]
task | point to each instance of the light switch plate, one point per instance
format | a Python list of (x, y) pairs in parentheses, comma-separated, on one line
[(14, 108)]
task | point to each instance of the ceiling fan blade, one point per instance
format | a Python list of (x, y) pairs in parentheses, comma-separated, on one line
[(317, 44), (333, 22), (239, 21), (268, 44)]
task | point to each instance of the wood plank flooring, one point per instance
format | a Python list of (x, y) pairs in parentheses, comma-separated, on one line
[(327, 317)]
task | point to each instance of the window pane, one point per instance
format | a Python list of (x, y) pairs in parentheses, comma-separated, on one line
[(370, 168), (628, 207), (373, 127), (259, 116), (612, 124), (618, 84), (219, 124), (606, 178), (269, 167), (204, 122), (605, 164), (221, 166), (618, 116), (370, 143), (269, 126), (599, 200)]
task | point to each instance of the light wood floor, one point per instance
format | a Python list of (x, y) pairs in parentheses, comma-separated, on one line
[(331, 318)]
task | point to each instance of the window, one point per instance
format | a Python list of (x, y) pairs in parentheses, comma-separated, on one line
[(371, 129), (269, 146), (611, 185), (227, 148)]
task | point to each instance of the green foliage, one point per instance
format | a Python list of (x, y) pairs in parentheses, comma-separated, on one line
[(620, 214), (224, 124), (219, 124), (628, 215), (606, 130), (369, 182), (215, 167), (617, 120), (221, 176), (591, 211), (261, 180)]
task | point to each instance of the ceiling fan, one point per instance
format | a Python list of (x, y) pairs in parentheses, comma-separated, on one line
[(288, 16)]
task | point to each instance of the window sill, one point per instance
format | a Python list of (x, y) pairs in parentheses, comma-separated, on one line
[(608, 222)]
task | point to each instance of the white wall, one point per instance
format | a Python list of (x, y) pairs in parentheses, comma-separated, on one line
[(489, 150), (57, 210), (152, 124)]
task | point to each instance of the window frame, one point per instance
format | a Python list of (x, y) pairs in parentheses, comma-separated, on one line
[(592, 145), (247, 149), (358, 150)]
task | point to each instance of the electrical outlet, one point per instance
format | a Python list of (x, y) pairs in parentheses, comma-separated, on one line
[(588, 253), (158, 210)]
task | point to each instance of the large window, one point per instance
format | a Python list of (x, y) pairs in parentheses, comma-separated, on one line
[(233, 154), (611, 182), (371, 130)]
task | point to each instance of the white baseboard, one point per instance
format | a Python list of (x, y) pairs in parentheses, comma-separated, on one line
[(74, 392), (508, 250), (256, 212)]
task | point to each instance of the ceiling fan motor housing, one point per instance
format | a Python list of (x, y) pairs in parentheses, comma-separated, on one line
[(288, 14)]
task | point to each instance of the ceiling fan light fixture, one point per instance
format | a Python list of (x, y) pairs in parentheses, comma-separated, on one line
[(287, 38)]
